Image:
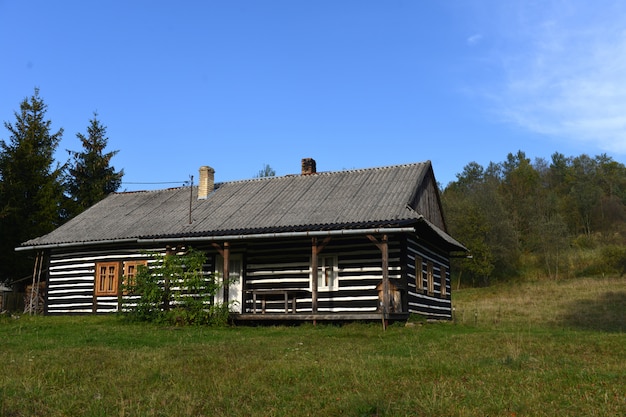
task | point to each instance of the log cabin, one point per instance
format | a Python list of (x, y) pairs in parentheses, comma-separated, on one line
[(360, 244)]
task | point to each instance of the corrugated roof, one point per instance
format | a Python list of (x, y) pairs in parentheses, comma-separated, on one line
[(324, 201)]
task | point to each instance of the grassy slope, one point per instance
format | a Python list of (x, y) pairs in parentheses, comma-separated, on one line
[(546, 348)]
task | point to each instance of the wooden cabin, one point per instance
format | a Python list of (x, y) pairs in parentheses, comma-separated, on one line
[(375, 237)]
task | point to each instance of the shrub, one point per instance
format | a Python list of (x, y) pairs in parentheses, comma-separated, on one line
[(614, 257), (175, 289)]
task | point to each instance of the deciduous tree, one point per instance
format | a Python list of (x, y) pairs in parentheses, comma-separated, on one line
[(266, 171)]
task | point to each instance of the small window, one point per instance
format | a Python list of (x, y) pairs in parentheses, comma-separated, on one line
[(107, 278), (430, 278), (443, 272), (419, 274), (327, 272)]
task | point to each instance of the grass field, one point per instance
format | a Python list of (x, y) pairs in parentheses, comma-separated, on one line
[(525, 349)]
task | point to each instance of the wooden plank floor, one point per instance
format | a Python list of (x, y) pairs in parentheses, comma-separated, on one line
[(303, 317)]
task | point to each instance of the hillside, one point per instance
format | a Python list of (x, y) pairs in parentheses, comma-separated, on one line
[(577, 304)]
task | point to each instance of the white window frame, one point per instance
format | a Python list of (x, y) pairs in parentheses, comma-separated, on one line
[(327, 264)]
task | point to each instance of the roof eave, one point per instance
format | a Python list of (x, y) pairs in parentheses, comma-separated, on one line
[(222, 237)]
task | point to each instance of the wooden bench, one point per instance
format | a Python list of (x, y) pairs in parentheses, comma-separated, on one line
[(263, 294)]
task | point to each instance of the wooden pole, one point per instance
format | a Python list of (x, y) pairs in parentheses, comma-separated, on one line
[(169, 251), (225, 252), (29, 308), (384, 249), (39, 296), (385, 265), (226, 278), (190, 196), (314, 253)]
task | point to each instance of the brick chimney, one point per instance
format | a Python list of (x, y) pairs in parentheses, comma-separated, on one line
[(207, 182), (308, 166)]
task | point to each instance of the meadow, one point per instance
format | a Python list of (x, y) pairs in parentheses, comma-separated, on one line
[(541, 348)]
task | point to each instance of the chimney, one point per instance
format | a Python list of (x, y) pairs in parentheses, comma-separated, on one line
[(308, 166), (207, 182)]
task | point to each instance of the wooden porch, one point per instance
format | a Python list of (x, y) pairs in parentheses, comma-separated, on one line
[(317, 317)]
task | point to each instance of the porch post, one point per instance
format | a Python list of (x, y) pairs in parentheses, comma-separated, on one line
[(383, 246), (314, 253), (169, 251), (226, 277)]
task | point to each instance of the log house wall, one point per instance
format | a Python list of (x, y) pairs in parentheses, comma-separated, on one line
[(71, 280), (276, 265), (272, 265), (419, 301)]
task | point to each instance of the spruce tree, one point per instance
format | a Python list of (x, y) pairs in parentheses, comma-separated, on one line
[(91, 177), (31, 190)]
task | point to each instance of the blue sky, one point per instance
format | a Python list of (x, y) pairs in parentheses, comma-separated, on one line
[(351, 83)]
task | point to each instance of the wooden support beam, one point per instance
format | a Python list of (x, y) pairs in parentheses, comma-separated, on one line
[(383, 246), (322, 245), (33, 298), (315, 251), (169, 251), (218, 248), (225, 252), (226, 281)]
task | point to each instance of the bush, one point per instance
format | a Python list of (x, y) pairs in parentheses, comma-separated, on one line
[(614, 257), (175, 290)]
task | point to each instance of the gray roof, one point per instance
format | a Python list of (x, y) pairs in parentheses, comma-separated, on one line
[(375, 197)]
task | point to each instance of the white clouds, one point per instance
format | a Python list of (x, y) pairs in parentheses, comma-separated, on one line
[(474, 39), (564, 72)]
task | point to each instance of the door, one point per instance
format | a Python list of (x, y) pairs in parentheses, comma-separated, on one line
[(235, 281)]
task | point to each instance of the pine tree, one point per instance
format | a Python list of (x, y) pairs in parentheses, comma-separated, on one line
[(31, 190), (91, 178)]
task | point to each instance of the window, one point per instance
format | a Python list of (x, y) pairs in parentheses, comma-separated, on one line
[(327, 272), (430, 278), (107, 278), (130, 271), (442, 273), (419, 274)]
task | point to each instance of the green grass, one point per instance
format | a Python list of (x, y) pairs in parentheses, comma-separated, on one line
[(525, 349)]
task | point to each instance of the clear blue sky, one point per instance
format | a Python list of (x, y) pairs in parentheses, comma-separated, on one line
[(352, 83)]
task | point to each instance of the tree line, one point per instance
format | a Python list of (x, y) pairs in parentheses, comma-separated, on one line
[(558, 218), (37, 193)]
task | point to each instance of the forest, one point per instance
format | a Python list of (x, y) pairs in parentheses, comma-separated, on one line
[(538, 219)]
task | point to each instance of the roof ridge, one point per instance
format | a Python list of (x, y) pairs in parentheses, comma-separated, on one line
[(380, 168), (158, 190), (276, 177), (325, 173)]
